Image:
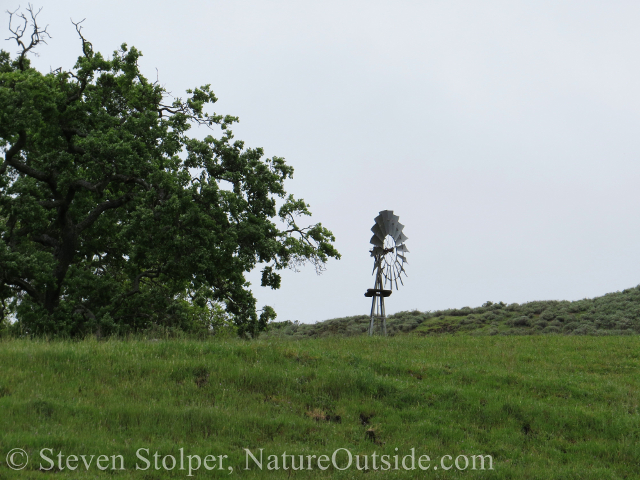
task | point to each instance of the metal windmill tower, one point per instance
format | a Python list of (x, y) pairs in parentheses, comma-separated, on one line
[(389, 254)]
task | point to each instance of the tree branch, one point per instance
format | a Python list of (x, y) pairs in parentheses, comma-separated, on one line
[(14, 150), (81, 182), (100, 186), (30, 171), (69, 133), (87, 47), (51, 203), (136, 282), (38, 35), (104, 206), (26, 286), (46, 240), (87, 51), (23, 167)]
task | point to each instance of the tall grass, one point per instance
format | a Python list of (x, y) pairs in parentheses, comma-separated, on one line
[(543, 406)]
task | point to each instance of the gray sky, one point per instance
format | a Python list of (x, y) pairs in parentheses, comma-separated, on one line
[(504, 134)]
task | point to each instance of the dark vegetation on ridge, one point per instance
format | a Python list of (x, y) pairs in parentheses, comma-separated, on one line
[(615, 313)]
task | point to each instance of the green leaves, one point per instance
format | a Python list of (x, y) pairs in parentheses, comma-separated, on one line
[(114, 220)]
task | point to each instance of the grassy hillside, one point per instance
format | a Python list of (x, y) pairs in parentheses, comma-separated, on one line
[(544, 407), (612, 314)]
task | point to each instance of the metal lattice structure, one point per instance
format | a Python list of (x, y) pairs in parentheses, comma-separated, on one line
[(389, 254)]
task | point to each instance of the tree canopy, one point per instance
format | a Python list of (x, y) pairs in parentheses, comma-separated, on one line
[(113, 219)]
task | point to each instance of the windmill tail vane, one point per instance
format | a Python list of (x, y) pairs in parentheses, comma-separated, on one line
[(389, 254)]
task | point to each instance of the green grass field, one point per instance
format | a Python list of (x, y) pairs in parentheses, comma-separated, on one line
[(547, 407)]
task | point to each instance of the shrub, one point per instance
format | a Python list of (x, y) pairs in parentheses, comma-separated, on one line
[(607, 322), (468, 320), (522, 322), (624, 323), (548, 315), (584, 329), (489, 316)]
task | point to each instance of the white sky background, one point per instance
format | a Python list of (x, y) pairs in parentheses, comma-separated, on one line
[(504, 134)]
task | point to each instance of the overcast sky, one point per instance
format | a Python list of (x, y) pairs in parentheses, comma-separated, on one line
[(504, 134)]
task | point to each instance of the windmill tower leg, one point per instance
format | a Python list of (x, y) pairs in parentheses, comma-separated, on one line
[(378, 311), (377, 307), (373, 312), (384, 316)]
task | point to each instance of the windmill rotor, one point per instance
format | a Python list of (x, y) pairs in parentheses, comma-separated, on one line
[(389, 248)]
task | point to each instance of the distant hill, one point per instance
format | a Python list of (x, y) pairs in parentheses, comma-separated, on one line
[(615, 313)]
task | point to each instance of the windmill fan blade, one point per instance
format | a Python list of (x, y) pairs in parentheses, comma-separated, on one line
[(386, 214), (404, 259), (376, 241), (376, 251), (393, 230), (391, 222), (397, 232), (402, 248), (402, 238), (386, 226), (378, 232)]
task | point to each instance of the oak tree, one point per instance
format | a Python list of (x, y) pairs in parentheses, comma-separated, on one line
[(113, 219)]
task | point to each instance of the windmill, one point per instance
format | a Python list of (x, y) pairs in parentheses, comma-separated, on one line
[(389, 254)]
